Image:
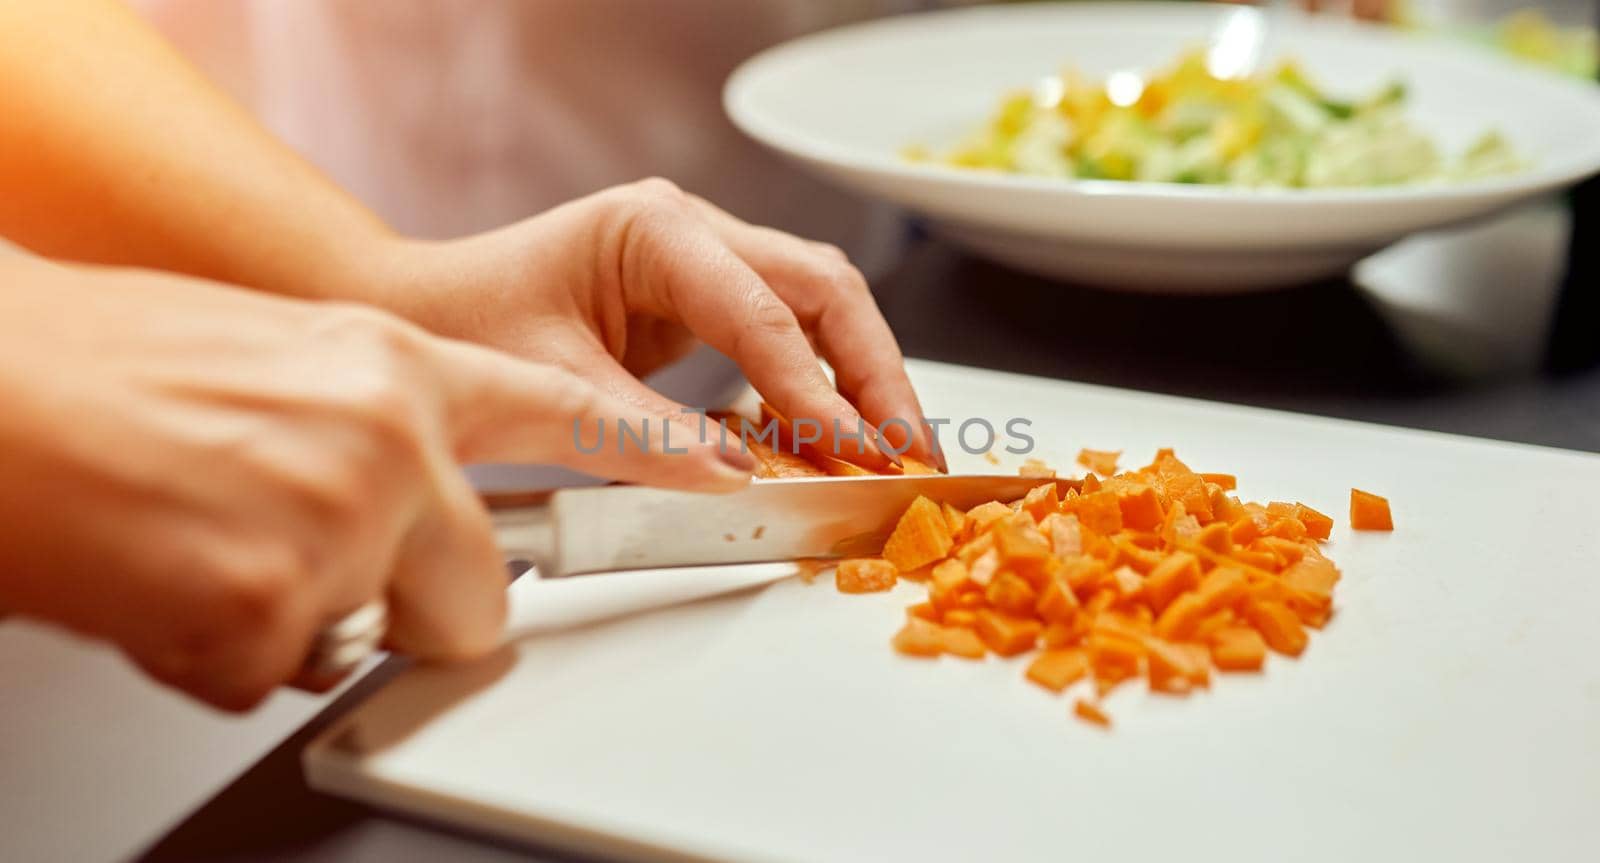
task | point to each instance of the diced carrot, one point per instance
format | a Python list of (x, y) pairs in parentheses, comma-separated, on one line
[(1173, 670), (1098, 511), (915, 467), (1007, 635), (965, 643), (1222, 587), (1369, 511), (1035, 468), (1177, 573), (1278, 626), (1181, 617), (1103, 462), (1066, 538), (1142, 560), (1190, 490), (955, 520), (1069, 634), (1055, 670), (1141, 507), (984, 568), (1238, 648), (921, 537), (1244, 530), (1090, 714), (1009, 593), (985, 514), (864, 575), (1042, 500), (962, 617), (1157, 573), (1215, 537), (919, 638), (1058, 603), (1288, 527)]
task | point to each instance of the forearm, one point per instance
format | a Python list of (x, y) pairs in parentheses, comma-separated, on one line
[(113, 150)]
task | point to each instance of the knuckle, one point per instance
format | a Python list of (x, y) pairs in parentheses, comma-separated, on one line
[(768, 315), (257, 602), (660, 190), (830, 251), (568, 396)]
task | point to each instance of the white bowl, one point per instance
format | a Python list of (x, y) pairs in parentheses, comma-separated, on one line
[(847, 101)]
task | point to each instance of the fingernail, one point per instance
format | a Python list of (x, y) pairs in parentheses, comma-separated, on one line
[(737, 457)]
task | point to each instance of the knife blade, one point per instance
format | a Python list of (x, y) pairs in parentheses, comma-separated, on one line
[(621, 527)]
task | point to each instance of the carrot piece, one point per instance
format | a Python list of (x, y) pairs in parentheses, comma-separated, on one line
[(1141, 508), (1066, 537), (1173, 670), (914, 467), (1127, 582), (1244, 530), (919, 638), (984, 568), (1179, 572), (984, 515), (1222, 587), (1068, 634), (920, 537), (1009, 593), (1288, 550), (1208, 625), (961, 617), (1103, 462), (1042, 500), (1278, 626), (924, 610), (1035, 468), (1090, 714), (1021, 546), (864, 575), (1090, 484), (961, 642), (1182, 617), (1238, 648), (1005, 634), (1098, 511), (1288, 527), (946, 583), (1215, 536), (1058, 603), (1369, 511), (955, 520), (1055, 670), (1227, 480), (1318, 526), (1190, 490)]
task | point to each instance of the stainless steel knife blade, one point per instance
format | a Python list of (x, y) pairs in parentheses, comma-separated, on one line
[(607, 528)]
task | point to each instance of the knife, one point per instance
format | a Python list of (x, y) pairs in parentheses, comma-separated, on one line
[(623, 527)]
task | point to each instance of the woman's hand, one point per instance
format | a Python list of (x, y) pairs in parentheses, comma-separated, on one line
[(207, 477), (615, 285)]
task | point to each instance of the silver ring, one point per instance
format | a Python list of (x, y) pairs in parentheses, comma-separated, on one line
[(343, 645)]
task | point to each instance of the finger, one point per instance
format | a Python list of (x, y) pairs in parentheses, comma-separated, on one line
[(447, 593), (579, 354), (499, 408), (831, 300), (672, 264)]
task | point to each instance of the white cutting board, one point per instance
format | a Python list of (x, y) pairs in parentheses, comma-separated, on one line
[(1450, 710)]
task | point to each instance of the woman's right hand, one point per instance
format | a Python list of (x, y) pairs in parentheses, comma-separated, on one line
[(207, 477)]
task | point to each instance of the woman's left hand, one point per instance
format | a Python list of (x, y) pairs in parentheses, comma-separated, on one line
[(620, 283)]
